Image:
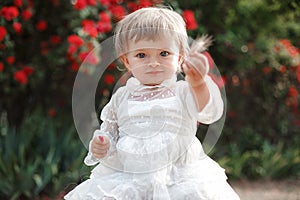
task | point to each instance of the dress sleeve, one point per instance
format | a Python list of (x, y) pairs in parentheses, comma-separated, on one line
[(213, 109), (108, 128)]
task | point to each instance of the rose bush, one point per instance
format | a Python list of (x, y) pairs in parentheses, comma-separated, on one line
[(33, 64)]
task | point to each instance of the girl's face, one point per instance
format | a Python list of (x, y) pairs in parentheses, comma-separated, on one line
[(152, 62)]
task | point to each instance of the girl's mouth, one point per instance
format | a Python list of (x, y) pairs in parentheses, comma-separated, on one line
[(154, 72)]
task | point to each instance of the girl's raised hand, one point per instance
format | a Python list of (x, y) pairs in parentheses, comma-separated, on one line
[(195, 67), (100, 146)]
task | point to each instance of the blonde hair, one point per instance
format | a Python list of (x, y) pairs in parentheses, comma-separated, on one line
[(151, 23)]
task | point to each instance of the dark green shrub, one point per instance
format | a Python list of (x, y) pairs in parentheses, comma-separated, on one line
[(268, 162), (42, 158)]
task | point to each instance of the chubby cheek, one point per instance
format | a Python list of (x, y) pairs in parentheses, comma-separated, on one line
[(137, 68), (171, 69), (175, 65)]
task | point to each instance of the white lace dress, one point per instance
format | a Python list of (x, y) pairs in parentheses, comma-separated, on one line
[(154, 154)]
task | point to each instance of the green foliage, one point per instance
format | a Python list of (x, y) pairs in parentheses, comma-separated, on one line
[(41, 159), (268, 162)]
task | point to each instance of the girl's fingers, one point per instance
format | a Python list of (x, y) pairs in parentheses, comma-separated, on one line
[(195, 64), (103, 147), (190, 71), (198, 61), (101, 138), (99, 155), (192, 75), (186, 69), (97, 144), (100, 151)]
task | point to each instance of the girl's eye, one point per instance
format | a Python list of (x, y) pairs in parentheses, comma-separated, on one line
[(164, 53), (140, 55)]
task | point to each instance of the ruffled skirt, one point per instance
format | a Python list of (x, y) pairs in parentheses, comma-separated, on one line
[(203, 179)]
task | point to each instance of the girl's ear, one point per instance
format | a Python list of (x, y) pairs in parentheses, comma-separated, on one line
[(180, 59), (124, 60), (180, 62)]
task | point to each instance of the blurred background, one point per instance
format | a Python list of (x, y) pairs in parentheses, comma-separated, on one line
[(43, 43)]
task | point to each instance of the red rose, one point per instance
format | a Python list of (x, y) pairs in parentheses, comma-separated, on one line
[(41, 25), (21, 77), (26, 14), (109, 79), (55, 39), (285, 42), (10, 60), (89, 27), (292, 98), (104, 27), (293, 51), (282, 69), (91, 2), (105, 2), (18, 3), (293, 91), (10, 12), (145, 3), (17, 27), (1, 66), (89, 58), (82, 56), (190, 20), (112, 66), (104, 24), (132, 6), (3, 33), (117, 11), (80, 4), (74, 66), (267, 70), (28, 70), (75, 40), (87, 22), (72, 49), (103, 16)]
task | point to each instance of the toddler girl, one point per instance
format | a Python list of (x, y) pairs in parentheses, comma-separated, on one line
[(146, 148)]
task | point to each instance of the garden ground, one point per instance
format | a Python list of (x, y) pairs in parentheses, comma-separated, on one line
[(267, 190)]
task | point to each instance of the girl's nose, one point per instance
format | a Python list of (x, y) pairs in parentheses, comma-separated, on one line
[(153, 62)]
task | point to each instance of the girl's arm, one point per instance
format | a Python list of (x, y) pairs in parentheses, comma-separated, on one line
[(196, 67), (205, 92), (108, 134)]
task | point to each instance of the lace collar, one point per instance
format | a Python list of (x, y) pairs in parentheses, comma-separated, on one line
[(135, 86)]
